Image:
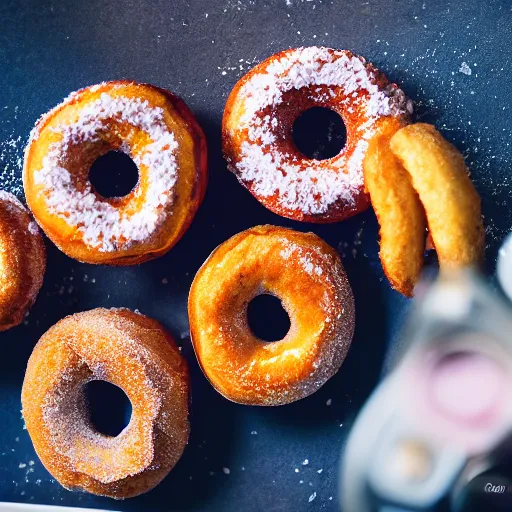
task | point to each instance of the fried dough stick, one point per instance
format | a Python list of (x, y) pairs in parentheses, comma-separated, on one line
[(452, 205), (399, 212)]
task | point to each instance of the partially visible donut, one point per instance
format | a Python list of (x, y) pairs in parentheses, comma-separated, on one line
[(22, 261), (258, 121), (158, 131), (136, 354), (307, 275)]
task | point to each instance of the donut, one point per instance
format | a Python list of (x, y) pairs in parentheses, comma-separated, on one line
[(158, 131), (132, 352), (307, 275), (452, 205), (258, 121), (399, 212), (22, 261)]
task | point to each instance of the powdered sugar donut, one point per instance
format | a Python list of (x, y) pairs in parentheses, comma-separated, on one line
[(132, 352), (307, 275), (22, 261), (159, 133), (258, 121)]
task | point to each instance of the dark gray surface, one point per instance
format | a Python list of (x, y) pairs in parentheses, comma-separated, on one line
[(198, 49)]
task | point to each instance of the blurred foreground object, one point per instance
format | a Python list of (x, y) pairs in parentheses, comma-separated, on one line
[(442, 417)]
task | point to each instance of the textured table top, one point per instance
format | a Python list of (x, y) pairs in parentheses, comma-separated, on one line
[(451, 57)]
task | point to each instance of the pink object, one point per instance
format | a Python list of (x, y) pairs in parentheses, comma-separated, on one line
[(466, 388)]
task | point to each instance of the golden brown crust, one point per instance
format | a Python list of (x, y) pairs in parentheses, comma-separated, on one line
[(307, 275), (136, 354), (351, 107), (399, 211), (189, 189), (22, 261), (451, 203)]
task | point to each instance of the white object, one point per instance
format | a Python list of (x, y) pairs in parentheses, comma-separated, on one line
[(22, 507), (504, 266)]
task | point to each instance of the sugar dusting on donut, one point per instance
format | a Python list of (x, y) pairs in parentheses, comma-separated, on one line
[(73, 438), (339, 316), (338, 307), (22, 260), (66, 415), (11, 199), (16, 205), (313, 188), (102, 225), (297, 365)]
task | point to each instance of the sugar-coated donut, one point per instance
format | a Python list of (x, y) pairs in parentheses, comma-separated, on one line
[(132, 352), (307, 275), (158, 131), (258, 121), (22, 261)]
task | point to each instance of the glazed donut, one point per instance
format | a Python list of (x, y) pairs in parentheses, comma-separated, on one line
[(22, 261), (308, 277), (258, 121), (158, 131), (132, 352)]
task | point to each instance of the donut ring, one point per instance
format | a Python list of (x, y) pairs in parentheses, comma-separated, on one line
[(399, 212), (158, 131), (441, 179), (22, 261), (307, 275), (258, 122), (126, 349)]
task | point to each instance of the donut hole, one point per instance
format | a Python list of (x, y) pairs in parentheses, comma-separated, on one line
[(114, 175), (319, 133), (267, 318), (108, 406)]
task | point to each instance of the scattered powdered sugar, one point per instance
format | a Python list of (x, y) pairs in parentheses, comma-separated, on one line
[(303, 258), (287, 252), (303, 184), (12, 200), (102, 225), (32, 227), (307, 264), (464, 68), (11, 150)]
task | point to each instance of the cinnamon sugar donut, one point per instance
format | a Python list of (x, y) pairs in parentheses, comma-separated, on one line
[(258, 121), (22, 261), (307, 275), (158, 131), (136, 354)]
